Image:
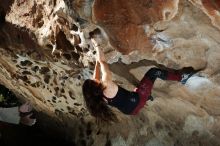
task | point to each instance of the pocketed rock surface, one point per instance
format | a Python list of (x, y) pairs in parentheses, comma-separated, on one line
[(46, 54)]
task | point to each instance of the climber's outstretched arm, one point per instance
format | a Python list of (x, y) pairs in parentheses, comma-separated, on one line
[(96, 74), (106, 73)]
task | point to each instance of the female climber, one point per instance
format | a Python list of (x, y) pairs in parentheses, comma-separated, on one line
[(99, 93)]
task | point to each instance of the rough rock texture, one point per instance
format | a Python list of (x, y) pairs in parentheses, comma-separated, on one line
[(46, 54)]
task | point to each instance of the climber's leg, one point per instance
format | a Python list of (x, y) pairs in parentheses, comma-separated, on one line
[(155, 73)]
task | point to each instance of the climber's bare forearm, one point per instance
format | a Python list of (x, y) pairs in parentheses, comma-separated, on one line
[(106, 73), (96, 74)]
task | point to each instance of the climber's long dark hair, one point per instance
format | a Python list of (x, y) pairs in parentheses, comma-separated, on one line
[(93, 95)]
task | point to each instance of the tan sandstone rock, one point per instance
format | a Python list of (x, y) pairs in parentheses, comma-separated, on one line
[(46, 54)]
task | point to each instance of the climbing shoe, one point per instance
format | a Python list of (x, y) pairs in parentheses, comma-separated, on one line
[(185, 77)]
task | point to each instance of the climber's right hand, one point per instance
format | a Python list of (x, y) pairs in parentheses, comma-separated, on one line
[(100, 55)]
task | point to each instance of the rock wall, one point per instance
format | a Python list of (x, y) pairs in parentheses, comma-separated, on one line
[(46, 54)]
